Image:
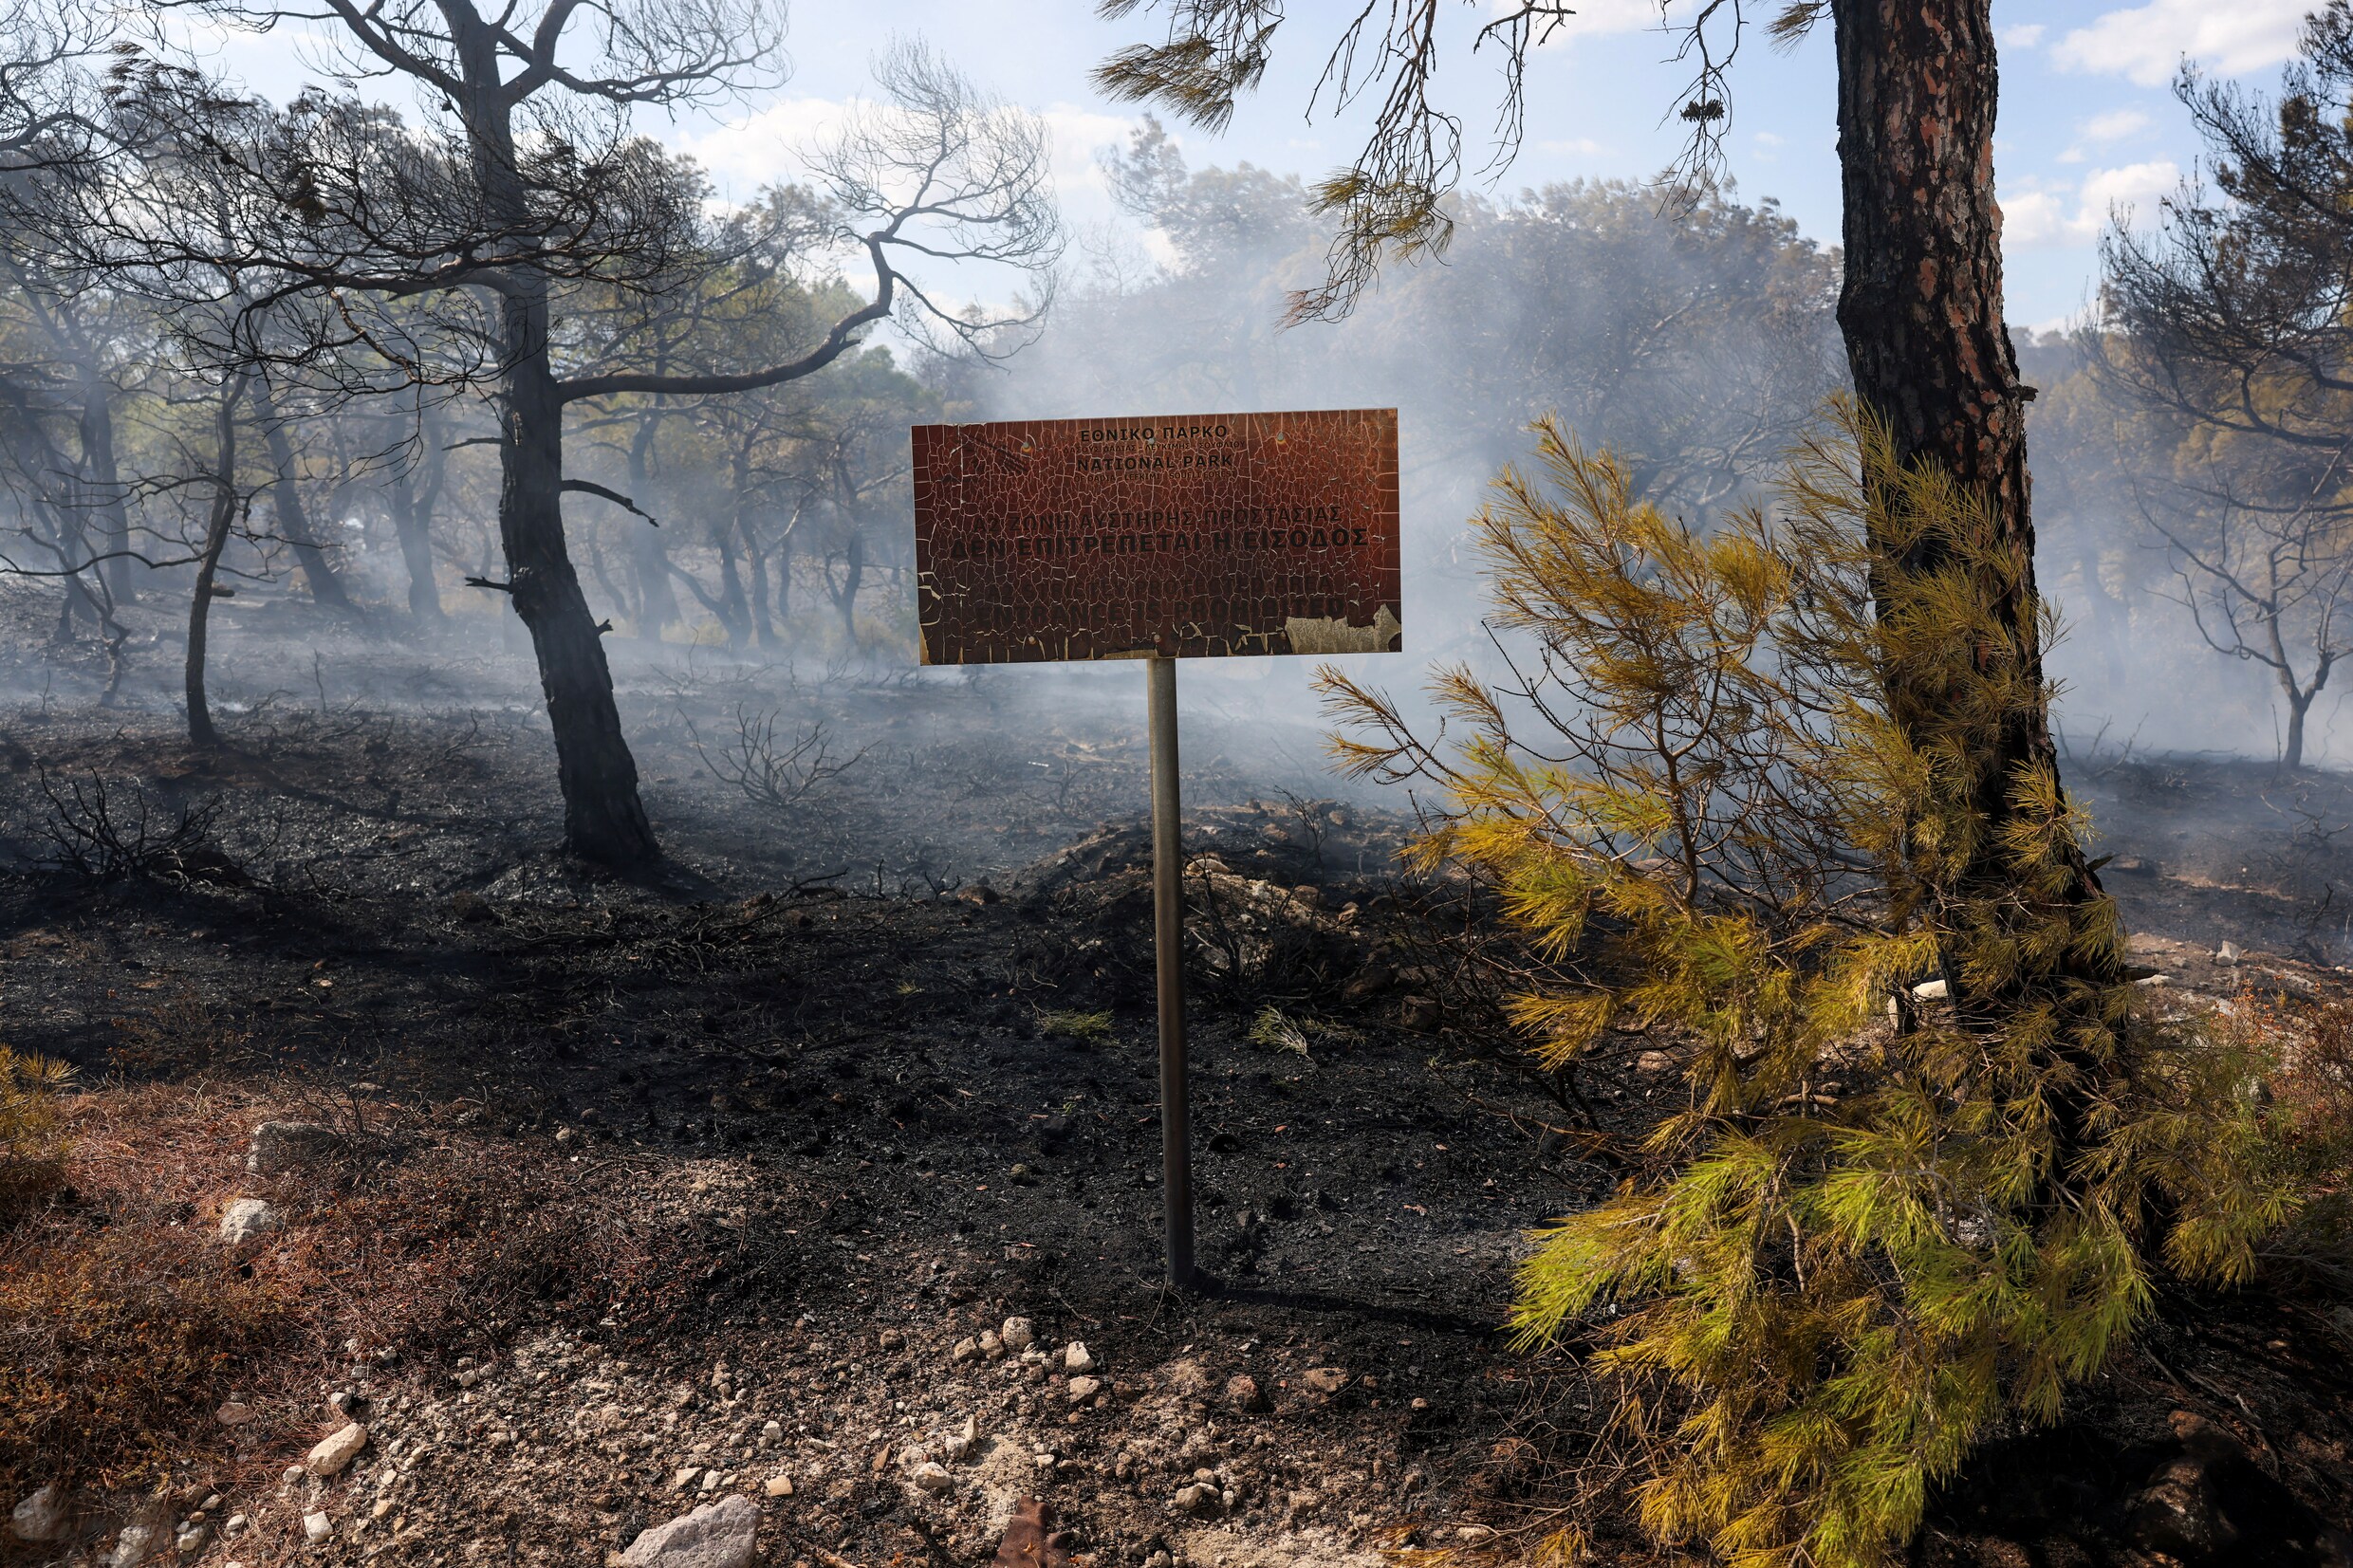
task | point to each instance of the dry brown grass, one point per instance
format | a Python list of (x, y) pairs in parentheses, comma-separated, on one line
[(124, 1323)]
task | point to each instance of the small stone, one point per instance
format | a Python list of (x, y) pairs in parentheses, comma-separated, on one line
[(779, 1486), (966, 1349), (1085, 1388), (233, 1415), (685, 1478), (717, 1535), (246, 1220), (42, 1514), (1325, 1379), (235, 1522), (1202, 1497), (1420, 1403), (316, 1527), (1076, 1357), (1932, 990), (1418, 1012), (891, 1338), (1652, 1061), (335, 1452), (1243, 1394), (2228, 953), (932, 1476), (710, 1481), (991, 1346), (191, 1540), (773, 1432), (1017, 1333), (293, 1477)]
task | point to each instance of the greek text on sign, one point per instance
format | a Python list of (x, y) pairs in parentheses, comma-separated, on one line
[(1190, 535)]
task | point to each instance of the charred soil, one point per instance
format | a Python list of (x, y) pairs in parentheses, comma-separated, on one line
[(623, 1195)]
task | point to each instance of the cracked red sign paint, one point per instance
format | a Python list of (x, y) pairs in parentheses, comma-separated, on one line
[(1192, 535)]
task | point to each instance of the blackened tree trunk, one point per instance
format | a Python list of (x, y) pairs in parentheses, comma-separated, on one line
[(604, 818), (104, 477), (223, 515), (285, 501), (1921, 310), (413, 505), (649, 553)]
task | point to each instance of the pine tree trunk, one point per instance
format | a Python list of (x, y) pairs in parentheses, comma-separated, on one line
[(604, 818), (2299, 704), (106, 478), (1921, 310), (286, 500), (224, 513), (412, 523)]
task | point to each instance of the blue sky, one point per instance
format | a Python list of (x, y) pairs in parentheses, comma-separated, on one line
[(2088, 119)]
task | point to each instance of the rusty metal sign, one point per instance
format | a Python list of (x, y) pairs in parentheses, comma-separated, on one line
[(1190, 536)]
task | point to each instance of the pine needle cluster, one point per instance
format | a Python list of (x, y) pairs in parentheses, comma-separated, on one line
[(1880, 1225), (29, 1122)]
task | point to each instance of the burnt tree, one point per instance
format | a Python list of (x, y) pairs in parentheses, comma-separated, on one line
[(449, 252)]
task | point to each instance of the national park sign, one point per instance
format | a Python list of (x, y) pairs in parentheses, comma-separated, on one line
[(1181, 536)]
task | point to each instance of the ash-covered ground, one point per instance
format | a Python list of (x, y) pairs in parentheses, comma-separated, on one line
[(635, 1194)]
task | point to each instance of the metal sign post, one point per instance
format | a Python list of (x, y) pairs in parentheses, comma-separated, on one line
[(1181, 536), (1168, 942)]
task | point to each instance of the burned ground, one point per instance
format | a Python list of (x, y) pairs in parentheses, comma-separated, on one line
[(621, 1171)]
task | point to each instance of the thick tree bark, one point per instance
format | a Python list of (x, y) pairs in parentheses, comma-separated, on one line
[(285, 501), (1921, 310), (216, 527)]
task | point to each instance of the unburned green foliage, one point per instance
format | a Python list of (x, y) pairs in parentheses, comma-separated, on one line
[(1878, 1225), (1092, 1028), (30, 1145)]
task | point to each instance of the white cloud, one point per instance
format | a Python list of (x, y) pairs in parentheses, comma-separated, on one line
[(1602, 18), (2039, 217), (2147, 43), (2113, 126), (2023, 36), (772, 143), (1583, 146)]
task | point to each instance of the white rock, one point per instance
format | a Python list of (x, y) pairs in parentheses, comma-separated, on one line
[(932, 1476), (717, 1535), (1017, 1333), (1932, 990), (686, 1477), (316, 1527), (41, 1516), (246, 1219), (1076, 1357), (335, 1452), (779, 1486), (1085, 1388), (137, 1541), (2228, 953), (191, 1540)]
